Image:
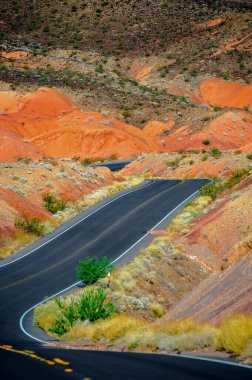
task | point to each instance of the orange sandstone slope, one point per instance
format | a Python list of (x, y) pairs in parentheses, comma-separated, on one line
[(14, 146), (219, 92), (191, 165), (59, 128), (47, 123), (231, 130)]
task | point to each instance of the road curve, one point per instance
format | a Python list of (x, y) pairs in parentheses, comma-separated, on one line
[(114, 166), (48, 269)]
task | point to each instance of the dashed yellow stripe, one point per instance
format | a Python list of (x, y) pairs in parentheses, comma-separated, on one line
[(88, 245)]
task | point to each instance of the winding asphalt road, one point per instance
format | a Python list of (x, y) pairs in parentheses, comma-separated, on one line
[(113, 165), (49, 267)]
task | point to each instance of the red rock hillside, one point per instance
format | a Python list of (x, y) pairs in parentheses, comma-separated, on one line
[(48, 123)]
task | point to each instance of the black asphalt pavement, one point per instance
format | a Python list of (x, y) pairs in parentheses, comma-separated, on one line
[(109, 231), (114, 166)]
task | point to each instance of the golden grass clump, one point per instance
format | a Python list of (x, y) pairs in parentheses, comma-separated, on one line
[(157, 310), (46, 314), (235, 334), (47, 321), (180, 335), (181, 326), (110, 329), (15, 243)]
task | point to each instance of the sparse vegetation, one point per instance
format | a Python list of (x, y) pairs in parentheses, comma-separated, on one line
[(249, 156), (206, 142), (174, 164), (215, 188), (215, 152), (31, 226), (53, 204)]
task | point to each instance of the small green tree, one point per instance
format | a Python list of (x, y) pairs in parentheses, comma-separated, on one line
[(91, 269)]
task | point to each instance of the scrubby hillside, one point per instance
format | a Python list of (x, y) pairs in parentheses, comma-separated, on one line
[(114, 25)]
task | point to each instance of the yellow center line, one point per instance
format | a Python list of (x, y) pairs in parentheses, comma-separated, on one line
[(88, 245)]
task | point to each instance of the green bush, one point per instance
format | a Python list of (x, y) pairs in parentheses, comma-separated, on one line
[(91, 269), (92, 305), (215, 152), (86, 161), (100, 69), (237, 176), (174, 164), (32, 226), (53, 204), (213, 189), (249, 156), (60, 327), (70, 312)]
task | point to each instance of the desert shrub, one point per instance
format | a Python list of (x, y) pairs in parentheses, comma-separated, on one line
[(133, 345), (92, 305), (174, 164), (32, 226), (60, 327), (237, 176), (91, 269), (53, 204), (157, 310), (215, 152), (100, 69), (235, 333), (249, 156), (126, 114), (206, 142), (86, 161), (194, 72), (70, 312), (213, 189), (25, 160)]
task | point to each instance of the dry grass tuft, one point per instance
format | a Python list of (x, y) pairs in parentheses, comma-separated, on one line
[(46, 314), (235, 334), (157, 310), (110, 329), (179, 335)]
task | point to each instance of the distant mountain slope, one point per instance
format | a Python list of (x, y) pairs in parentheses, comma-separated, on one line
[(112, 25)]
